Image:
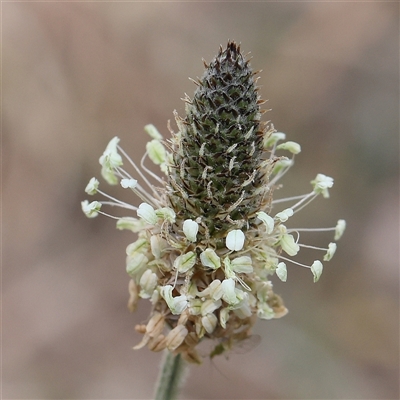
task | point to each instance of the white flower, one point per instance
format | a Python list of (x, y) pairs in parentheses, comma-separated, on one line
[(267, 220), (176, 304), (175, 337), (274, 138), (195, 306), (281, 271), (155, 297), (110, 154), (230, 273), (229, 292), (228, 268), (91, 209), (139, 246), (235, 240), (209, 306), (284, 215), (153, 132), (147, 213), (135, 264), (289, 245), (340, 228), (224, 317), (244, 311), (316, 269), (321, 184), (331, 251), (209, 322), (158, 246), (293, 147), (110, 161), (242, 265), (148, 283), (264, 311), (129, 183), (184, 262), (263, 291), (190, 229), (130, 223), (210, 259), (166, 214), (283, 163), (156, 152), (92, 186), (213, 290)]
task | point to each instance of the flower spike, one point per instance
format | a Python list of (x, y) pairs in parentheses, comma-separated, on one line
[(212, 235)]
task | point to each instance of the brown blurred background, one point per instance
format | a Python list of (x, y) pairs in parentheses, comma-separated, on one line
[(77, 74)]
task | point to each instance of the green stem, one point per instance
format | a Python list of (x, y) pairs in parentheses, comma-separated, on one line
[(171, 376)]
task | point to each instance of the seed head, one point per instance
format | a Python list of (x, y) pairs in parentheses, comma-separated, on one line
[(209, 239), (217, 155)]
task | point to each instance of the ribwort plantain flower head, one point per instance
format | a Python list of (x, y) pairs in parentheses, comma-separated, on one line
[(209, 238)]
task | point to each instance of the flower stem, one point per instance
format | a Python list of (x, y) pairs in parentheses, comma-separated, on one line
[(171, 376)]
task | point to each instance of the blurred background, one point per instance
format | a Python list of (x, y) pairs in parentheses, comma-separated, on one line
[(76, 74)]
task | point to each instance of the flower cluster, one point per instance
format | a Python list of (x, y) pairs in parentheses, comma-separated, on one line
[(208, 238)]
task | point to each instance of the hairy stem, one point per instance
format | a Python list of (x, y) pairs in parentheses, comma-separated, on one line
[(171, 377)]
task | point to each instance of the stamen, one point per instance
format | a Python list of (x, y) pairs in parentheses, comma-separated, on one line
[(311, 229), (138, 170), (151, 173), (108, 215), (279, 175), (289, 199), (311, 196), (139, 190), (292, 261), (313, 247), (117, 202), (121, 204)]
